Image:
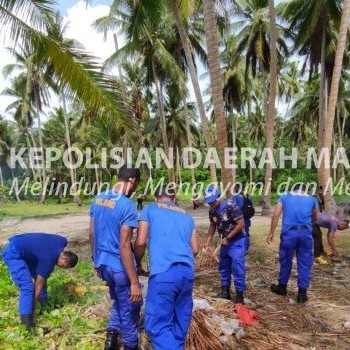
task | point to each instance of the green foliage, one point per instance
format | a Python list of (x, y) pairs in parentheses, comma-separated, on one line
[(30, 208), (4, 194)]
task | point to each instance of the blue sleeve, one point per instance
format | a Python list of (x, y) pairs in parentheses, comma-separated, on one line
[(129, 215), (239, 200), (144, 216)]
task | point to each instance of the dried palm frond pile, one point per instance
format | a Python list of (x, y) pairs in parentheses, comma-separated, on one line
[(207, 259)]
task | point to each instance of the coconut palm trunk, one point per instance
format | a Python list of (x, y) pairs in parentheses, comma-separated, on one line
[(324, 172), (1, 177), (322, 92), (72, 173), (162, 123), (270, 122), (174, 4), (216, 85), (42, 197), (189, 137), (340, 143)]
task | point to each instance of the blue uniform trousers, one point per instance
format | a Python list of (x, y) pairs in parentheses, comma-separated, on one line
[(22, 275), (169, 307), (232, 262), (124, 316), (299, 241)]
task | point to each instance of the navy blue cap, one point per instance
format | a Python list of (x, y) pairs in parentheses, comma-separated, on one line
[(211, 193)]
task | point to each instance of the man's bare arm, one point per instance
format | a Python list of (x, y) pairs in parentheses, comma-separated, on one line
[(274, 222), (140, 243), (39, 284), (127, 259), (211, 231), (194, 242), (237, 229)]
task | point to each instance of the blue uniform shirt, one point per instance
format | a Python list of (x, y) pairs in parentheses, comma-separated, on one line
[(297, 210), (225, 216), (39, 250), (111, 211), (169, 235)]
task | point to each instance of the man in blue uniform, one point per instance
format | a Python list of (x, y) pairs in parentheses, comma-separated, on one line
[(299, 213), (239, 197), (172, 244), (113, 218), (33, 256), (227, 218), (332, 223)]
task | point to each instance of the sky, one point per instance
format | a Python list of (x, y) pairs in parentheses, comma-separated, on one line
[(79, 17)]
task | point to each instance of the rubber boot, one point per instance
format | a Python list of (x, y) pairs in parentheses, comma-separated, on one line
[(239, 299), (111, 342), (280, 289), (225, 292), (302, 296), (28, 321)]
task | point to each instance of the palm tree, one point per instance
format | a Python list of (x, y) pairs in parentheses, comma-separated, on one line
[(312, 24), (288, 86), (75, 71), (270, 122), (181, 11), (216, 85), (324, 172)]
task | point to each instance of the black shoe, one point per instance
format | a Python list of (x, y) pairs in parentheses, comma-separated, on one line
[(280, 289), (239, 299), (111, 342), (28, 321), (225, 293), (302, 296)]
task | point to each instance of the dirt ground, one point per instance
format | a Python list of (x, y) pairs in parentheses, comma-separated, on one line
[(322, 323)]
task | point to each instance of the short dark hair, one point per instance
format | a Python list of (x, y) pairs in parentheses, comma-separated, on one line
[(125, 173), (299, 186), (71, 258), (164, 191)]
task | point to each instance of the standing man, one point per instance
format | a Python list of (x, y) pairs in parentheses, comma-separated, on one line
[(332, 223), (33, 256), (244, 203), (140, 199), (172, 244), (227, 218), (113, 218), (299, 212)]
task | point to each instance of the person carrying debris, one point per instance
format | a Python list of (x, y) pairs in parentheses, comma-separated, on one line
[(33, 256), (113, 218), (332, 223), (172, 244), (227, 218), (299, 213)]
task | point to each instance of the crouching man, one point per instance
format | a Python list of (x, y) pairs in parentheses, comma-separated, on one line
[(32, 257)]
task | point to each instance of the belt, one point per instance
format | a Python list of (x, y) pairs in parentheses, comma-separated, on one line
[(298, 227)]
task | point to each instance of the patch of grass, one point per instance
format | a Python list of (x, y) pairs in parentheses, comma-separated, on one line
[(29, 208), (259, 257)]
